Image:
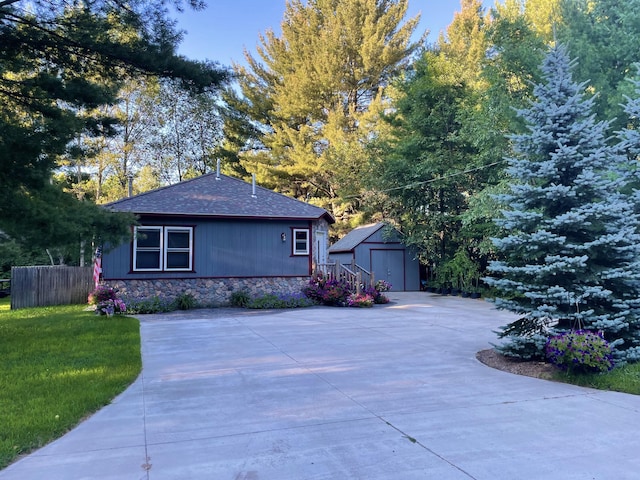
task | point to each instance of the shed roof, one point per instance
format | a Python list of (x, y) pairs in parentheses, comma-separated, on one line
[(223, 196), (355, 237)]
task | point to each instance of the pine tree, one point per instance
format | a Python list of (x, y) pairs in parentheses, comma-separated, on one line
[(313, 92), (571, 246)]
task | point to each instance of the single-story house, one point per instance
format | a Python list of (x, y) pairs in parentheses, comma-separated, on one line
[(212, 235), (378, 249)]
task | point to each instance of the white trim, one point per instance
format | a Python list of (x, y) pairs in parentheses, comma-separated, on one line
[(147, 249), (322, 250), (188, 250), (163, 250), (295, 241)]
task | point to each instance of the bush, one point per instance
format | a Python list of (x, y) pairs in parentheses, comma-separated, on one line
[(328, 291), (280, 301), (382, 286), (580, 351), (240, 298), (149, 305), (524, 347), (106, 301), (102, 293), (185, 301), (374, 293), (361, 300)]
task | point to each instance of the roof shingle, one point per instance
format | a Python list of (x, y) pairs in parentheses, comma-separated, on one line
[(355, 237), (225, 196)]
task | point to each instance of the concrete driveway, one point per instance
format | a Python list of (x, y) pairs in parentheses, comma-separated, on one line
[(393, 392)]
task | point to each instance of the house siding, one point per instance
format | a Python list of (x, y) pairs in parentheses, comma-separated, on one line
[(224, 248)]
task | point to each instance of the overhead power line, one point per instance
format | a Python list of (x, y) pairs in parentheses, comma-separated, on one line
[(444, 177)]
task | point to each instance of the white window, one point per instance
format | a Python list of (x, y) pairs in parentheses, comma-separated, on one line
[(162, 249), (178, 243), (147, 249), (300, 242)]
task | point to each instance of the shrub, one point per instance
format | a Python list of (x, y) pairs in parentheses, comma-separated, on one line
[(106, 301), (382, 286), (529, 347), (381, 299), (580, 351), (185, 301), (376, 295), (149, 305), (280, 301), (360, 300), (240, 298), (111, 307), (328, 291), (102, 293)]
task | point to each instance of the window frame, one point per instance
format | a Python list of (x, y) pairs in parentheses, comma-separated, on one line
[(167, 250), (294, 239), (164, 250), (137, 249)]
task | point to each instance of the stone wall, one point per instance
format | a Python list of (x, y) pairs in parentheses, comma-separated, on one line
[(208, 291)]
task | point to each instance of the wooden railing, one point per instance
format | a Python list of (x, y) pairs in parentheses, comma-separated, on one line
[(356, 276)]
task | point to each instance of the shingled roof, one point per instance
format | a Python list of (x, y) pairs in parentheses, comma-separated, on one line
[(355, 237), (223, 196)]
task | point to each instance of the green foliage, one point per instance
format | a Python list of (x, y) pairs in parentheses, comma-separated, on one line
[(240, 298), (460, 271), (414, 165), (624, 379), (525, 347), (185, 301), (13, 254), (602, 35), (271, 301), (107, 301), (149, 305), (328, 290), (314, 96), (59, 365), (570, 245), (579, 351), (60, 61), (362, 300)]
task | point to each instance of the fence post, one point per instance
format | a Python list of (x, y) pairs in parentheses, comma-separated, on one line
[(358, 283)]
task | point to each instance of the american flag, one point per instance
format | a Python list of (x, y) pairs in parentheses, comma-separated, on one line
[(97, 266)]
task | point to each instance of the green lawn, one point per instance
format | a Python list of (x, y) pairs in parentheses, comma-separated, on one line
[(58, 365), (623, 379)]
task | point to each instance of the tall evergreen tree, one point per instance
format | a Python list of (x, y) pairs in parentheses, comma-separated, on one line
[(59, 60), (313, 89), (602, 35), (571, 247), (414, 163)]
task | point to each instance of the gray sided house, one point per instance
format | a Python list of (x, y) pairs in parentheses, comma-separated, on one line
[(380, 251), (213, 235)]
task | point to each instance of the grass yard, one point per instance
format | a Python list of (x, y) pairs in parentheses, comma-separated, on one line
[(623, 379), (58, 365)]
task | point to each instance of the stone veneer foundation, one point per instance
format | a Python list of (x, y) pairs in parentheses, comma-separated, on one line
[(208, 291)]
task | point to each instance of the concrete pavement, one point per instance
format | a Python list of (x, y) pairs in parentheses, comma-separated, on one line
[(393, 392)]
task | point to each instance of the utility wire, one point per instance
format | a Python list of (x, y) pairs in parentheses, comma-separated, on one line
[(455, 174)]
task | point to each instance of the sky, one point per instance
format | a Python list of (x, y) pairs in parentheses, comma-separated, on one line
[(222, 31)]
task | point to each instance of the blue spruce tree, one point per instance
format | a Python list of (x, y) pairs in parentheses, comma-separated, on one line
[(570, 251)]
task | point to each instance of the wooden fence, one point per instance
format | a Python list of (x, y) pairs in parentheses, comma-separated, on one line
[(50, 285)]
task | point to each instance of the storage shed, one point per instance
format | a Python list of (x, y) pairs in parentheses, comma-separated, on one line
[(378, 248)]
